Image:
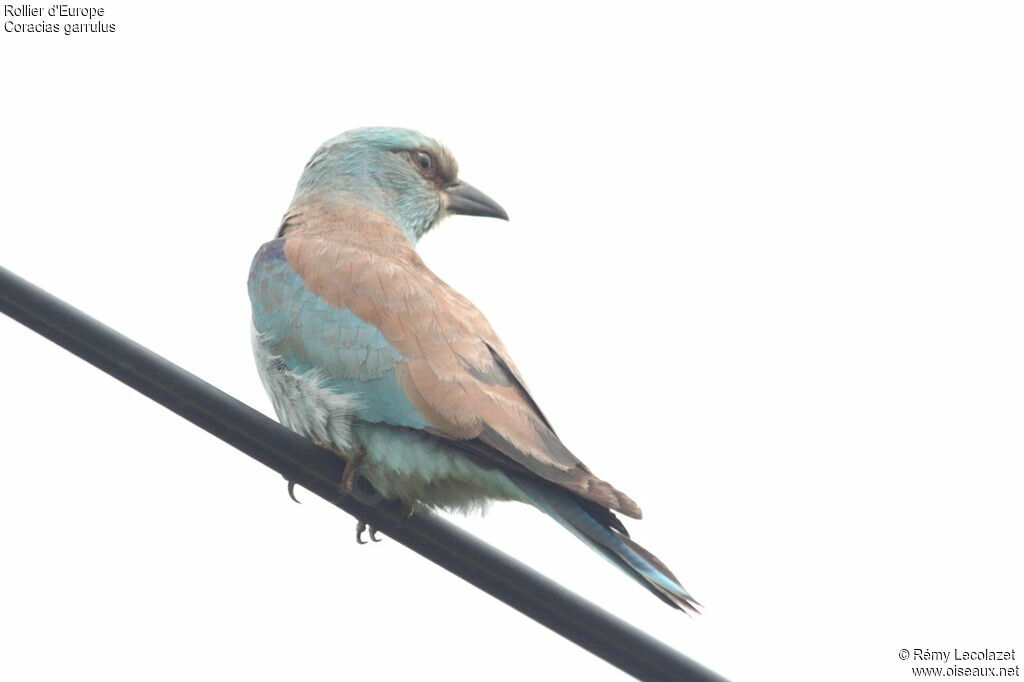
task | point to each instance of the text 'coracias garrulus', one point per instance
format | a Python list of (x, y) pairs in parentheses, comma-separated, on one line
[(364, 350)]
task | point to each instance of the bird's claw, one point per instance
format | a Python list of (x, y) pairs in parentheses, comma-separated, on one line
[(291, 492), (361, 528)]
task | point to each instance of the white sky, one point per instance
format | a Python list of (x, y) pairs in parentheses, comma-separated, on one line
[(763, 273)]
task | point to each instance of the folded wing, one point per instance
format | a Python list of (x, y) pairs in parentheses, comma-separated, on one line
[(378, 314)]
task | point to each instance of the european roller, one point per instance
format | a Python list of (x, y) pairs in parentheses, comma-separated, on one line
[(364, 350)]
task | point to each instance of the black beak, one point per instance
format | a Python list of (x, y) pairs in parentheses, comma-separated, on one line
[(465, 199)]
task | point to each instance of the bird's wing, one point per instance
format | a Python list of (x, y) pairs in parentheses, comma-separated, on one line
[(373, 319)]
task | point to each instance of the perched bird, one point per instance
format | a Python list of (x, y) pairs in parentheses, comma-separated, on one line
[(366, 351)]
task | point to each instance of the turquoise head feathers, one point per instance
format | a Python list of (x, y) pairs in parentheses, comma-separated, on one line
[(406, 176)]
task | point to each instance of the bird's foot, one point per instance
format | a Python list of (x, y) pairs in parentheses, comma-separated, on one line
[(291, 484), (405, 510), (361, 528)]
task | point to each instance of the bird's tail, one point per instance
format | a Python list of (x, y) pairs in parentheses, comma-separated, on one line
[(605, 534)]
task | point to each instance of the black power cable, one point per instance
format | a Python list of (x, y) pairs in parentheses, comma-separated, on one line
[(319, 471)]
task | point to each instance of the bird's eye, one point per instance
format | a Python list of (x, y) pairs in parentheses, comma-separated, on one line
[(424, 160)]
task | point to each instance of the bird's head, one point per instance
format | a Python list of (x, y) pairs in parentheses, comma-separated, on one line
[(401, 173)]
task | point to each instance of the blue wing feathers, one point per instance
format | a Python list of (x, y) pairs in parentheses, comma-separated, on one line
[(311, 335)]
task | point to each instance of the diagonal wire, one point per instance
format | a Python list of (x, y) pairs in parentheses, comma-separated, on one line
[(320, 472)]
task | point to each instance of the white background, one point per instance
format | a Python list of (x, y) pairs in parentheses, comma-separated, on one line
[(764, 273)]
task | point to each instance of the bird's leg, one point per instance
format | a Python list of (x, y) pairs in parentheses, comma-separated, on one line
[(347, 486), (348, 479)]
